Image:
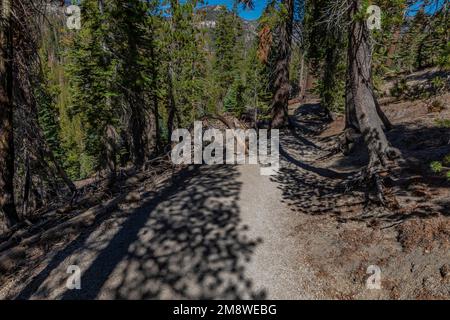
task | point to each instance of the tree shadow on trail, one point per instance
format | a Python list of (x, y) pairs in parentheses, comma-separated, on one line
[(306, 186), (309, 193), (185, 243), (328, 186), (324, 172)]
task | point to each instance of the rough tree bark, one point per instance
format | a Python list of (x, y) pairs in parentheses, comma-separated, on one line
[(110, 154), (111, 151), (171, 103), (137, 128), (301, 77), (136, 101), (154, 75), (171, 73), (63, 175), (329, 79), (393, 47), (351, 131), (7, 204), (26, 185), (280, 99), (362, 108)]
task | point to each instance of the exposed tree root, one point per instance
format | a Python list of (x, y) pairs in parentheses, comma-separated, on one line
[(376, 177), (348, 140)]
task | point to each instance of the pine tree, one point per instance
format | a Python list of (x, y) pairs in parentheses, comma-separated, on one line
[(134, 46), (280, 98), (325, 51), (258, 91), (183, 67), (363, 113), (92, 69), (234, 101), (228, 39), (46, 95)]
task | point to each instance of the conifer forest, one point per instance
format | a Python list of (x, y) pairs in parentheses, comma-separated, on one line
[(224, 149)]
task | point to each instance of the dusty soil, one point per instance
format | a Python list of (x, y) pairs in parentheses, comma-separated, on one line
[(228, 232), (344, 234), (212, 232)]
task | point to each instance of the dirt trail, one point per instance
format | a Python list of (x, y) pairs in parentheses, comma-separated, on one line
[(227, 232), (216, 232), (343, 234), (277, 265)]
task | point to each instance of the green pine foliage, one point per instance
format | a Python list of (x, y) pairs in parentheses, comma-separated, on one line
[(228, 44), (91, 71), (425, 41), (257, 93), (139, 63), (46, 94), (129, 65), (326, 54), (234, 99), (183, 65)]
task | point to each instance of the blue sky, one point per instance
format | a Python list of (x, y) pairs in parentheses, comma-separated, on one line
[(260, 5), (244, 13), (429, 9)]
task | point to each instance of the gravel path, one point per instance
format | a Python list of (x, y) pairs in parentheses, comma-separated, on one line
[(217, 232), (278, 264), (227, 232)]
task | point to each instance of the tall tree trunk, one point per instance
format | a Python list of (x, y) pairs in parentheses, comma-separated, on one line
[(171, 103), (137, 125), (351, 131), (111, 152), (280, 99), (301, 77), (172, 67), (156, 119), (384, 119), (395, 41), (309, 84), (363, 112), (109, 130), (350, 114), (61, 172), (7, 205), (154, 74), (393, 47), (26, 185), (329, 80)]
